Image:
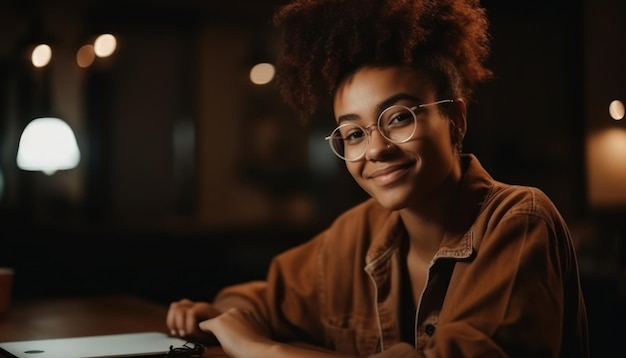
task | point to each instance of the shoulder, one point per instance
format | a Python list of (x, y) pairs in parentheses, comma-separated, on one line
[(358, 228), (507, 200), (496, 198), (362, 220), (354, 226), (524, 217), (343, 244), (522, 212)]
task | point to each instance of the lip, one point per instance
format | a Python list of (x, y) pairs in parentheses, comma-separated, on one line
[(389, 174)]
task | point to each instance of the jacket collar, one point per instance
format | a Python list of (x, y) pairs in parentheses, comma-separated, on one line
[(458, 241)]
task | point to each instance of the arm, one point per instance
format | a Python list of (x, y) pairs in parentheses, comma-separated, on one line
[(241, 335), (263, 299), (184, 316)]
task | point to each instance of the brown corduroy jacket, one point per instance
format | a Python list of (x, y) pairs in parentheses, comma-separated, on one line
[(504, 282)]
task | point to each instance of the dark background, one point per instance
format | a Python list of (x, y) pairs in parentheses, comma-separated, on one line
[(180, 191)]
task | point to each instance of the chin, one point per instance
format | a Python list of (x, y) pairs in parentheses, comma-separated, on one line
[(392, 202)]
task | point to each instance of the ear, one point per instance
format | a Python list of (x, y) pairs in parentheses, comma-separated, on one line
[(460, 110), (459, 117)]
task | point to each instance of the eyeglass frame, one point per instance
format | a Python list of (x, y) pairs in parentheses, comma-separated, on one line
[(367, 130), (187, 350)]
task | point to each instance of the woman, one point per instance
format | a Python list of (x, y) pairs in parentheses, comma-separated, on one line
[(442, 261)]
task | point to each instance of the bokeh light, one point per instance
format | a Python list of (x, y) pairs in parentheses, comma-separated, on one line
[(616, 110), (105, 45), (41, 55), (85, 56), (262, 73)]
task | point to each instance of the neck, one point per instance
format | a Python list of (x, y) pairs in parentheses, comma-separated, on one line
[(425, 223), (425, 235)]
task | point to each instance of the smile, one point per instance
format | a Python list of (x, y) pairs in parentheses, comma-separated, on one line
[(388, 175)]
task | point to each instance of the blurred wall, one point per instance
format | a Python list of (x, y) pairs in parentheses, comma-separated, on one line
[(170, 125)]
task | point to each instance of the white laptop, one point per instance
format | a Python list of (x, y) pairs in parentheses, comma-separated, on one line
[(142, 344)]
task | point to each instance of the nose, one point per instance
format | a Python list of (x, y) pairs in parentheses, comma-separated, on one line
[(378, 144)]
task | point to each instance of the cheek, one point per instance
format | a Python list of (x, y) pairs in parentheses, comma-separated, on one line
[(438, 139), (432, 150), (356, 169)]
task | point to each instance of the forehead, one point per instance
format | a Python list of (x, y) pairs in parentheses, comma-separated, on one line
[(368, 87)]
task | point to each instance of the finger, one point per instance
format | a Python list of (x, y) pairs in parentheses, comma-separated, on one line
[(178, 324), (182, 321), (171, 319), (189, 322), (184, 302), (176, 316), (207, 326)]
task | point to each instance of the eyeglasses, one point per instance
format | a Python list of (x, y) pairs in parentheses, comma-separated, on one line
[(188, 350), (396, 123)]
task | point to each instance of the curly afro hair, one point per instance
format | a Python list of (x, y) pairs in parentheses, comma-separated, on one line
[(323, 41)]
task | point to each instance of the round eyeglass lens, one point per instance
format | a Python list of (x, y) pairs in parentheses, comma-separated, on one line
[(349, 141), (397, 123)]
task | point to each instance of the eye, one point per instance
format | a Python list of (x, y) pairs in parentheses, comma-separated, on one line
[(352, 134), (397, 117)]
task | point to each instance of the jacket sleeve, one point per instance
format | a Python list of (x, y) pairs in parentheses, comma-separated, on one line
[(287, 301)]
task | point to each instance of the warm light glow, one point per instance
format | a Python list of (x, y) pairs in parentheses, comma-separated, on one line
[(85, 56), (105, 45), (606, 168), (262, 73), (41, 55), (47, 144), (616, 110)]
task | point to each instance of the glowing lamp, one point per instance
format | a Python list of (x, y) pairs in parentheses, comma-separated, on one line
[(47, 144)]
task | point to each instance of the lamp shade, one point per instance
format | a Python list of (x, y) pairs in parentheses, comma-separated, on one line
[(47, 144)]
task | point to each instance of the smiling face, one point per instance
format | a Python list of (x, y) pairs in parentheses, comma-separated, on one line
[(410, 174)]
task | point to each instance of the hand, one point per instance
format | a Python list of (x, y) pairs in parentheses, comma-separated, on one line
[(239, 333), (184, 316)]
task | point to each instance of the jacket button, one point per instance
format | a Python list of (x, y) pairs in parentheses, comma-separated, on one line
[(430, 329)]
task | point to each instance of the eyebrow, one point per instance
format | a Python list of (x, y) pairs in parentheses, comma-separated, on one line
[(381, 106)]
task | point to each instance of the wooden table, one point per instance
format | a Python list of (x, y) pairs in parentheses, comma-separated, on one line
[(84, 316)]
